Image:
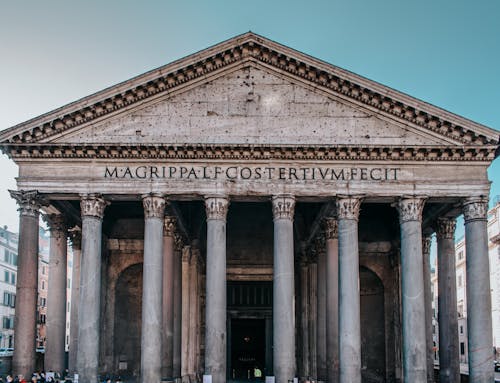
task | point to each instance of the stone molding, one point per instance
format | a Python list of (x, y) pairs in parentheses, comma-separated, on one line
[(216, 207), (242, 50), (331, 228), (93, 205), (252, 152), (426, 245), (446, 228), (154, 206), (475, 209), (57, 225), (283, 207), (410, 209), (348, 208), (29, 201), (169, 226)]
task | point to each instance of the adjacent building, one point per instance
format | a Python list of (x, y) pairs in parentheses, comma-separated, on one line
[(8, 275)]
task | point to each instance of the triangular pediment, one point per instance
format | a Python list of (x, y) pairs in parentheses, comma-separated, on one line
[(251, 105), (250, 90)]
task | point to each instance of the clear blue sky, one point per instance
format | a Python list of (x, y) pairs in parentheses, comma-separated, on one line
[(52, 52)]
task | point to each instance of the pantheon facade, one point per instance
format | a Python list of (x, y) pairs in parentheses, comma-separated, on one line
[(251, 208)]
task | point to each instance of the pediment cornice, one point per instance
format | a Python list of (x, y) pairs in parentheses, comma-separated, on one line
[(252, 152), (251, 48)]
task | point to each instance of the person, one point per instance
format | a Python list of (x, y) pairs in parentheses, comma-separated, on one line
[(9, 379)]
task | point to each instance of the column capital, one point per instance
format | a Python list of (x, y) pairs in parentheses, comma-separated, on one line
[(169, 226), (75, 236), (320, 244), (283, 206), (426, 245), (475, 209), (331, 228), (410, 209), (154, 205), (29, 201), (57, 225), (93, 205), (348, 207), (178, 242), (216, 207), (446, 228)]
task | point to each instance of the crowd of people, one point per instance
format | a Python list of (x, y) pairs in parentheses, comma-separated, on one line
[(49, 377)]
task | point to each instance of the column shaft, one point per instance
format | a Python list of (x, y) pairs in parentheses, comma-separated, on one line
[(449, 363), (426, 248), (76, 240), (332, 299), (479, 322), (304, 317), (414, 341), (321, 304), (177, 307), (283, 289), (23, 361), (56, 296), (313, 319), (151, 339), (349, 299), (186, 253), (215, 323), (87, 360), (168, 297)]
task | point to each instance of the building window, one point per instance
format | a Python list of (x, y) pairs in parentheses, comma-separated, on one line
[(8, 322), (460, 311), (13, 278), (460, 255), (43, 285), (9, 299), (6, 276), (462, 348), (461, 329)]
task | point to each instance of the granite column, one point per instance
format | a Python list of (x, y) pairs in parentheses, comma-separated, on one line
[(168, 297), (151, 339), (332, 299), (449, 363), (87, 359), (283, 289), (426, 250), (177, 271), (23, 360), (76, 243), (56, 295), (349, 299), (215, 329), (412, 281), (479, 321), (321, 307)]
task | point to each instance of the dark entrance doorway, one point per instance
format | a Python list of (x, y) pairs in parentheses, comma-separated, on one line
[(248, 347), (249, 329)]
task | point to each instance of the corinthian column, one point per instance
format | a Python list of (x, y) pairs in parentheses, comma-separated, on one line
[(449, 363), (56, 296), (215, 320), (332, 299), (479, 323), (168, 296), (283, 289), (321, 307), (414, 340), (87, 360), (23, 361), (349, 300), (154, 210), (426, 250), (76, 243), (177, 287)]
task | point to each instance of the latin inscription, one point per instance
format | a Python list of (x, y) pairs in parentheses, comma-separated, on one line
[(255, 173)]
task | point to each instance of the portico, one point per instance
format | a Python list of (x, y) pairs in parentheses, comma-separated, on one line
[(250, 206)]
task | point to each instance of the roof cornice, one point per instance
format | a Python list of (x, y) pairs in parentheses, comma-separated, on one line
[(250, 152), (251, 47)]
